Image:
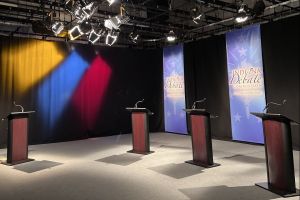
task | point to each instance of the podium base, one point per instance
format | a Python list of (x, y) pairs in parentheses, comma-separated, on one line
[(17, 162), (282, 193), (198, 163), (141, 152)]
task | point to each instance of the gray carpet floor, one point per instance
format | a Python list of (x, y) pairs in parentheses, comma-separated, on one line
[(100, 169)]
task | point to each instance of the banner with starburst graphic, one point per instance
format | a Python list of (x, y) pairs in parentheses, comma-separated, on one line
[(246, 83), (174, 91)]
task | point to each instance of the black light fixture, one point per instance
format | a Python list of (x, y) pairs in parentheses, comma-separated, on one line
[(57, 28), (134, 37), (243, 14), (75, 32), (95, 36), (171, 37), (196, 15), (111, 37)]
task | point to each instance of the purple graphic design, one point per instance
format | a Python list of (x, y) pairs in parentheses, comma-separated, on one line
[(246, 83), (174, 92)]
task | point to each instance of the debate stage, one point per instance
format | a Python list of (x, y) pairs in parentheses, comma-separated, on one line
[(101, 168)]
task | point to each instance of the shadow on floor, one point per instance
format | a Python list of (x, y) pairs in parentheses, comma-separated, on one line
[(229, 193), (122, 159), (245, 159), (175, 147), (35, 166), (178, 171)]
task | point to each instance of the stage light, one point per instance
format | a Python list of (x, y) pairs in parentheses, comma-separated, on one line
[(69, 6), (80, 15), (94, 37), (111, 38), (115, 22), (196, 15), (134, 37), (171, 37), (57, 27), (110, 2), (242, 14), (89, 9), (112, 23), (75, 32), (85, 27), (197, 19)]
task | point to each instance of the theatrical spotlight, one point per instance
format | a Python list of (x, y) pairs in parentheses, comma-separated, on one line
[(85, 27), (134, 37), (69, 6), (75, 32), (196, 15), (94, 37), (243, 14), (111, 38), (57, 28), (171, 37), (89, 9)]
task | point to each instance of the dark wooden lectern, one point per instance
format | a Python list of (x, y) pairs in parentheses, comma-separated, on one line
[(140, 130), (201, 138), (17, 143), (279, 154)]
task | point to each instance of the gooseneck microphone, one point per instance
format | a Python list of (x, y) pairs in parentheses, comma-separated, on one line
[(274, 103), (199, 101), (136, 104), (22, 109)]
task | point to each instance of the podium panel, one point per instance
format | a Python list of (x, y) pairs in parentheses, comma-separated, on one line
[(280, 165), (201, 138), (279, 154), (18, 141), (140, 132), (199, 124)]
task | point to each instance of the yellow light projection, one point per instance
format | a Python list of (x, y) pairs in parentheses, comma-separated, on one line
[(25, 62)]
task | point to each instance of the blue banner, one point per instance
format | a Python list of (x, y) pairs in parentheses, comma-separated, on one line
[(246, 83), (174, 92)]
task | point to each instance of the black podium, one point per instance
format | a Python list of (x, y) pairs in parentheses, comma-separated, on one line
[(279, 154), (17, 140), (140, 130), (201, 138)]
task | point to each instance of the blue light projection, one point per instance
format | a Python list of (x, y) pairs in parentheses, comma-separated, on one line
[(57, 89)]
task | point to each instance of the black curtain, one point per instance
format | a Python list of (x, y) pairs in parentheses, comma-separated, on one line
[(206, 77), (281, 56), (135, 75)]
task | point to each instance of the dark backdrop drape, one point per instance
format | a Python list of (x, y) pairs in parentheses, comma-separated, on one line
[(206, 77), (65, 88), (281, 56), (206, 73)]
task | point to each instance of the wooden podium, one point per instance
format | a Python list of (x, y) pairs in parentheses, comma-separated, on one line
[(140, 130), (279, 154), (17, 140), (201, 138)]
